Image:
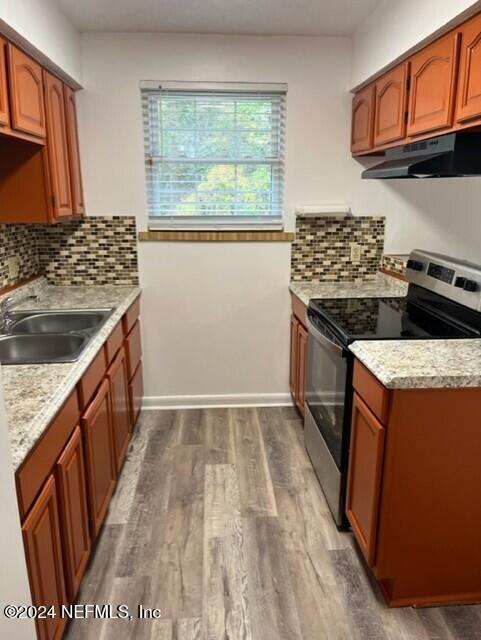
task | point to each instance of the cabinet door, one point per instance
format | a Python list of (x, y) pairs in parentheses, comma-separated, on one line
[(73, 512), (99, 456), (469, 77), (41, 536), (136, 394), (133, 346), (74, 151), (433, 86), (294, 358), (301, 374), (119, 394), (4, 109), (26, 93), (57, 147), (391, 103), (362, 120), (364, 478)]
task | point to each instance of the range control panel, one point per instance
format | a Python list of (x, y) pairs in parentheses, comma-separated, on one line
[(440, 272), (455, 279)]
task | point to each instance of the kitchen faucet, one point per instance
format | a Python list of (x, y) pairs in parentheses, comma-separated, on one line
[(5, 306)]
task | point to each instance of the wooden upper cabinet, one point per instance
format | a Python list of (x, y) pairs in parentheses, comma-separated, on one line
[(119, 394), (41, 535), (362, 120), (57, 148), (73, 512), (99, 455), (469, 78), (390, 106), (433, 86), (4, 108), (26, 93), (74, 151), (364, 478)]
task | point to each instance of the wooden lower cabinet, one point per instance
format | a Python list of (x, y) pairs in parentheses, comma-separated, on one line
[(301, 367), (41, 532), (73, 512), (294, 359), (65, 484), (136, 393), (298, 362), (133, 348), (413, 490), (119, 395), (99, 456), (365, 470)]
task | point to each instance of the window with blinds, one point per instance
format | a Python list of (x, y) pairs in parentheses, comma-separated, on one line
[(214, 156)]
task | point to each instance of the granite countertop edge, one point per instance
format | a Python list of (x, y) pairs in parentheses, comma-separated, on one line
[(418, 377), (381, 285), (24, 438)]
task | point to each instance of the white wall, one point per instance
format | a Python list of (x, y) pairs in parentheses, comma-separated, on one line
[(14, 587), (44, 26), (215, 316), (441, 215), (396, 26)]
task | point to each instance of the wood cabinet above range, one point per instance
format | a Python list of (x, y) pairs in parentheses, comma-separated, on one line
[(40, 179), (434, 91)]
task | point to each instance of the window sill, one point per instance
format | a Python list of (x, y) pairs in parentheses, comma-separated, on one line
[(216, 236)]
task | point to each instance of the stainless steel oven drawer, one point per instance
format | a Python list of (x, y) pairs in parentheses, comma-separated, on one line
[(331, 479)]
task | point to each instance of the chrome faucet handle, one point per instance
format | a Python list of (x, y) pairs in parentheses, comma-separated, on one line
[(7, 303)]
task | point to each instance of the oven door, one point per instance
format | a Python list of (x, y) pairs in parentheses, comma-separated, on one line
[(327, 416), (329, 372)]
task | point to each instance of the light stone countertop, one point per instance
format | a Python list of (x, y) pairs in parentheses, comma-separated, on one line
[(422, 364), (35, 393), (381, 286)]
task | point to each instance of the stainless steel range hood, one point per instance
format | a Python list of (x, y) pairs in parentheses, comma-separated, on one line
[(452, 155)]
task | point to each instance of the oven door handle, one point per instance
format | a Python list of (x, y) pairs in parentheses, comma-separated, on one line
[(320, 337)]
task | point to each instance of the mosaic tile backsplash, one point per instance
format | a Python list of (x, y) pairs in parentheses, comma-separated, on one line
[(95, 250), (395, 263), (321, 251), (18, 240)]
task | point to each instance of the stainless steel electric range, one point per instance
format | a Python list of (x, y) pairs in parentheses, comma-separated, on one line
[(443, 301)]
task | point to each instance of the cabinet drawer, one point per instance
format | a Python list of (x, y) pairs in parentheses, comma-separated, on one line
[(131, 316), (34, 471), (136, 393), (92, 378), (374, 394), (114, 342), (133, 347)]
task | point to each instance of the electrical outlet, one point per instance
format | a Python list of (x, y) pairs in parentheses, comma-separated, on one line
[(13, 267), (355, 252)]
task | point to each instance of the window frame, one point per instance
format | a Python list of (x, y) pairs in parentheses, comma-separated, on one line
[(218, 222)]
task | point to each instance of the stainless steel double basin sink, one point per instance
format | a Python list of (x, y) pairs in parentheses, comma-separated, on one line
[(41, 337)]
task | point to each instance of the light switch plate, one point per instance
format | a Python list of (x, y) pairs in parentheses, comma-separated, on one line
[(13, 267), (355, 252)]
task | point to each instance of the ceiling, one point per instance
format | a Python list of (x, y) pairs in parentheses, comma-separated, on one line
[(252, 17)]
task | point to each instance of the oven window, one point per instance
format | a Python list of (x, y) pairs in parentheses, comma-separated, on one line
[(326, 389)]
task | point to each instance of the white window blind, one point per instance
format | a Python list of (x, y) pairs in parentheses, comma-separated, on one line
[(214, 157)]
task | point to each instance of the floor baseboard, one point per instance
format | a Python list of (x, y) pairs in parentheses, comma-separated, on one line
[(209, 402)]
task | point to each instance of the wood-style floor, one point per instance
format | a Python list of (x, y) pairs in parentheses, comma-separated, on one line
[(218, 520)]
